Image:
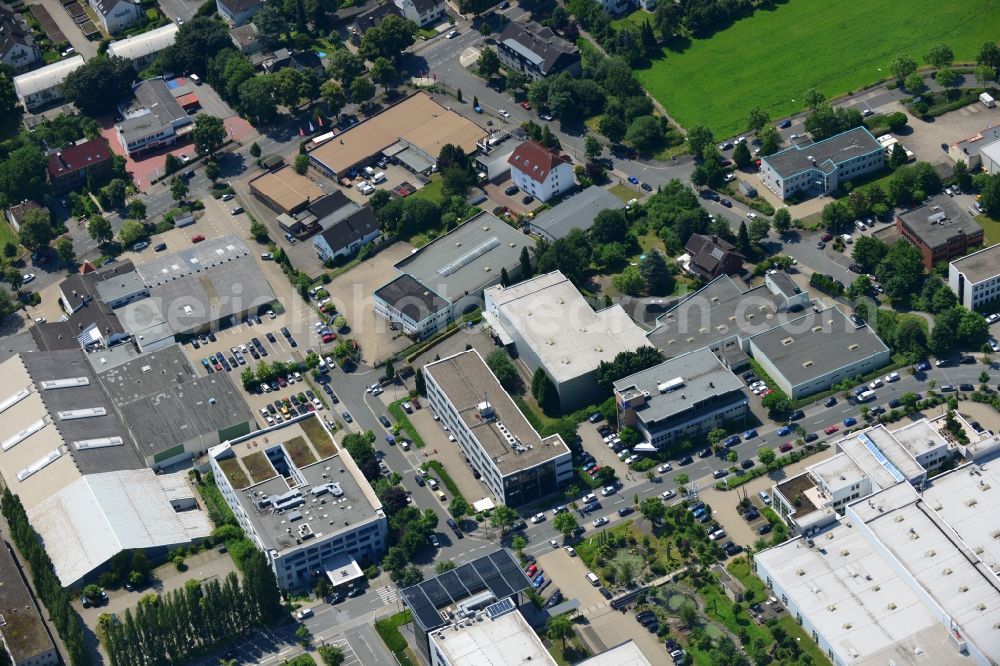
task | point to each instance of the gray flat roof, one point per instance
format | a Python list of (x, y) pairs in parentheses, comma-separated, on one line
[(815, 344), (981, 265), (785, 283), (938, 220), (411, 298), (207, 405), (154, 95), (23, 631), (148, 373), (824, 154), (468, 258), (467, 381), (121, 285), (703, 375), (207, 282), (576, 212), (70, 364), (719, 311)]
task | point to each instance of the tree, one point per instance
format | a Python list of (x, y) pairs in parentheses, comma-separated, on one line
[(565, 523), (212, 170), (257, 99), (743, 240), (98, 85), (946, 78), (914, 82), (612, 127), (989, 195), (902, 66), (384, 73), (559, 627), (698, 138), (741, 155), (869, 252), (502, 367), (444, 566), (646, 134), (459, 507), (331, 655), (389, 39), (131, 232), (759, 229), (346, 66), (503, 517), (488, 63), (258, 232), (545, 392), (653, 509), (178, 189), (770, 140), (814, 99), (272, 23), (23, 174), (100, 229), (756, 119), (524, 261), (333, 94), (13, 277), (766, 455), (36, 229), (656, 274), (898, 156), (592, 148), (64, 250), (629, 282), (989, 54), (420, 384), (209, 134), (362, 90), (985, 74), (255, 150), (782, 221), (940, 55), (171, 165), (901, 271), (301, 164)]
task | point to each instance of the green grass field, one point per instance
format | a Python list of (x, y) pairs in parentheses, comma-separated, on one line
[(772, 58)]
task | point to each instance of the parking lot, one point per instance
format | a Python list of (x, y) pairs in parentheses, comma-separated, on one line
[(514, 202), (925, 138), (351, 293)]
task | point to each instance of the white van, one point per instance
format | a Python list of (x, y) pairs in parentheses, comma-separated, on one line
[(378, 178), (369, 171), (865, 396), (594, 580), (432, 483), (764, 497)]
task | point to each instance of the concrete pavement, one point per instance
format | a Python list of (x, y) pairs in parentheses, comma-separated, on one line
[(70, 29)]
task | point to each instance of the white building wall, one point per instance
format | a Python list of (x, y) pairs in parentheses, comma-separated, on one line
[(559, 180)]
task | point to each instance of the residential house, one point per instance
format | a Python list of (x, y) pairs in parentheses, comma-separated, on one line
[(345, 237), (298, 60), (422, 12), (237, 12), (43, 86), (70, 167), (712, 256), (16, 213), (536, 51), (247, 39), (117, 15), (540, 172), (17, 47), (144, 48), (370, 18)]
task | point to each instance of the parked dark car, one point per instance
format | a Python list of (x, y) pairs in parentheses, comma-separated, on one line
[(966, 387)]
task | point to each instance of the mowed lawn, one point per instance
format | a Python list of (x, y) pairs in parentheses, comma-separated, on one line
[(772, 58)]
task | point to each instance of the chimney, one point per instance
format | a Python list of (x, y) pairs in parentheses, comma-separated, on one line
[(63, 162)]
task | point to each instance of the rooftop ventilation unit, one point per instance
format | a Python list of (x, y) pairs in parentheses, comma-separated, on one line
[(99, 443), (14, 399), (87, 413), (670, 385), (332, 488), (22, 435), (73, 382), (486, 411), (39, 465)]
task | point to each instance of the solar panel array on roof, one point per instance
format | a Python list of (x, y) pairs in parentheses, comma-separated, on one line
[(501, 607), (497, 572)]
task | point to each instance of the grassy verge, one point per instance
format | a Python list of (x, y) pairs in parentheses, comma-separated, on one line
[(432, 191), (444, 477), (781, 461), (571, 654), (756, 590), (388, 631), (623, 192), (587, 548), (719, 607), (403, 421), (803, 640), (218, 511), (991, 229)]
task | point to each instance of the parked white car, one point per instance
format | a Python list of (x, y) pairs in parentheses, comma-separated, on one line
[(537, 518), (892, 377), (664, 468)]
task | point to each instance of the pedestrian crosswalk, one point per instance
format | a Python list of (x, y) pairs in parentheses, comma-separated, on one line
[(388, 594)]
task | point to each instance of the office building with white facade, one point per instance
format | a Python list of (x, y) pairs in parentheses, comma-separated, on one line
[(144, 48), (302, 500), (813, 352), (680, 399), (817, 168), (515, 463), (975, 278), (904, 577), (551, 326)]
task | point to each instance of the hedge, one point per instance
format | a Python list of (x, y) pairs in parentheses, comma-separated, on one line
[(404, 422), (388, 631), (446, 479)]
